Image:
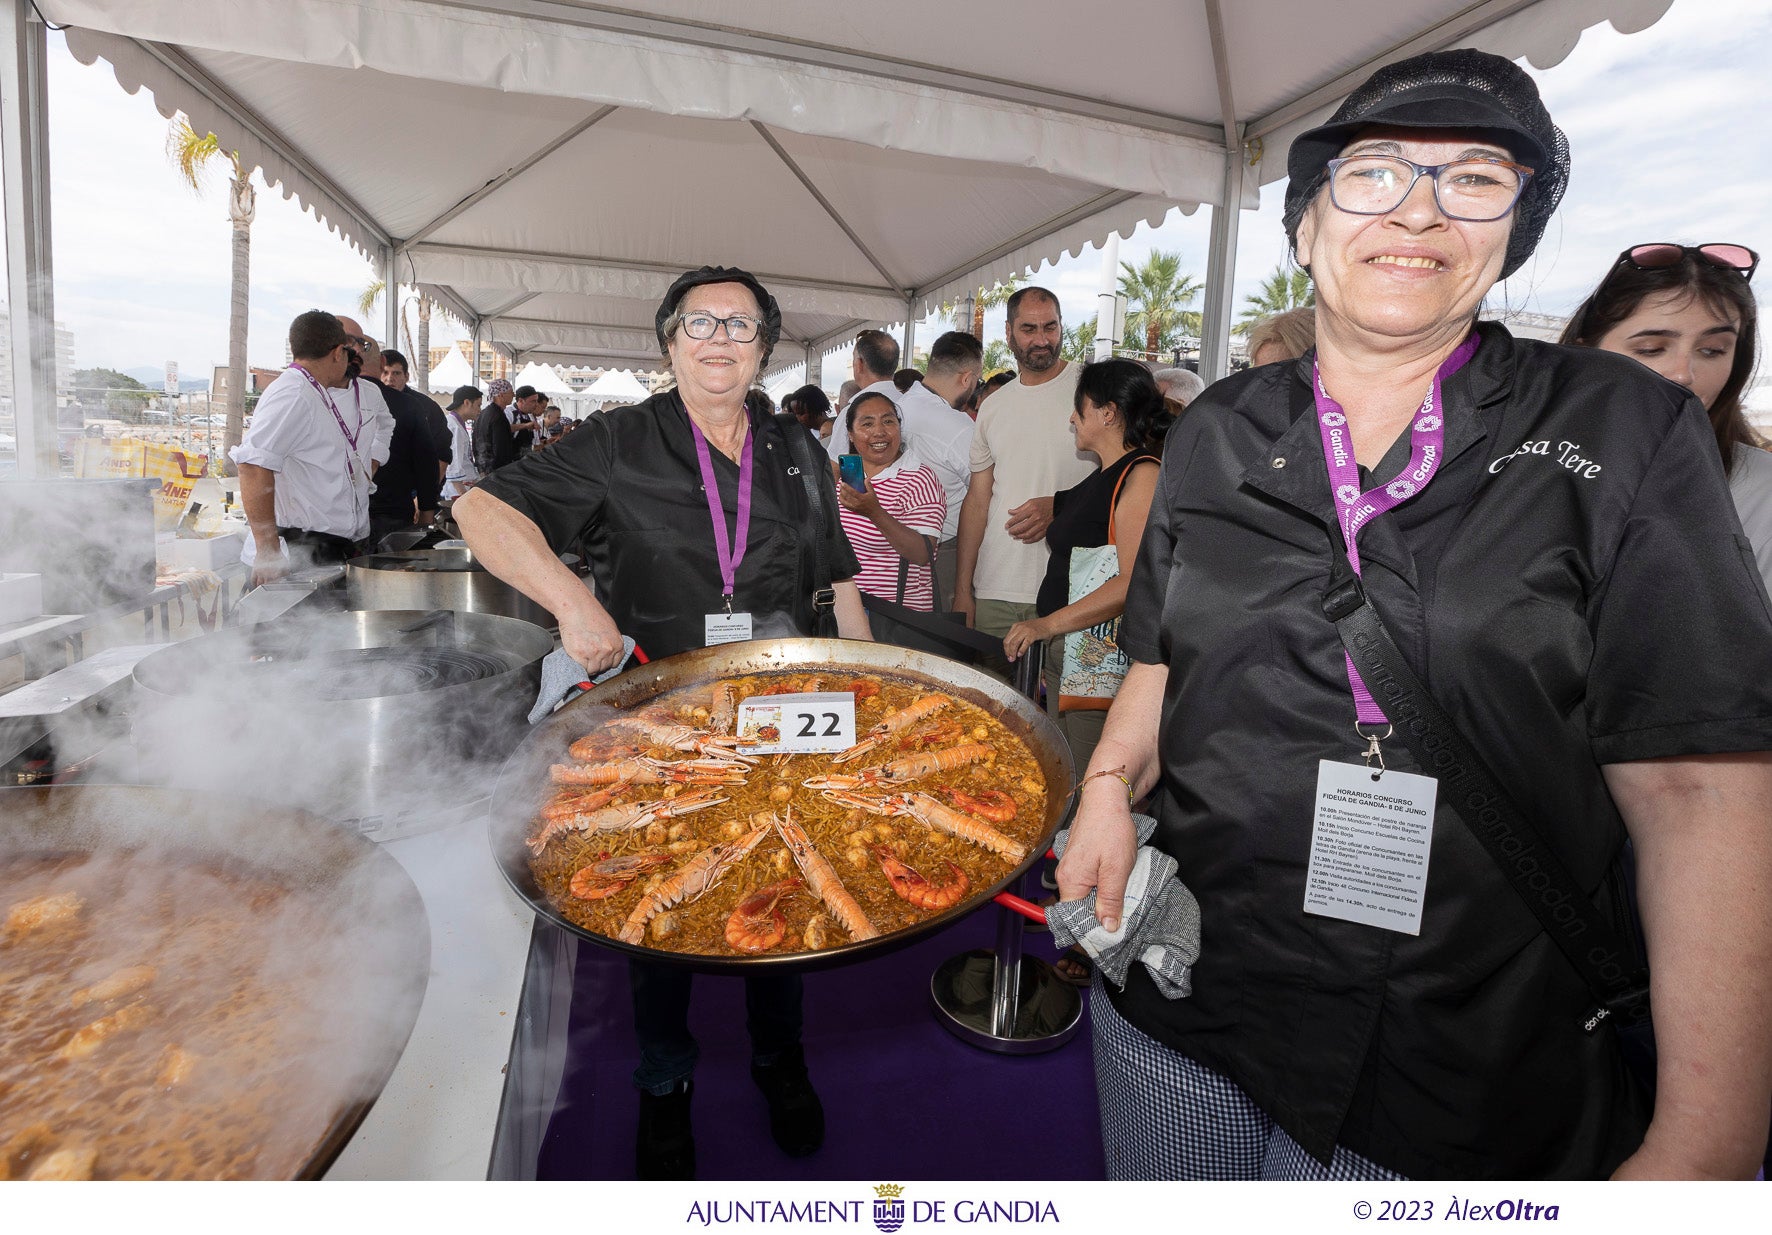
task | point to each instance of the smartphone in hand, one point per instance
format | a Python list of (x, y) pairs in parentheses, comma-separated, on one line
[(850, 467)]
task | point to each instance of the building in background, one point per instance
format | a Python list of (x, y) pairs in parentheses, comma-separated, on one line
[(256, 382), (64, 359), (492, 363)]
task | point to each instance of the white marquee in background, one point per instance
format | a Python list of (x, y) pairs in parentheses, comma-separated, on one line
[(544, 168)]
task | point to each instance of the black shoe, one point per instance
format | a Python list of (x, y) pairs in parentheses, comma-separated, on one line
[(796, 1116), (664, 1148)]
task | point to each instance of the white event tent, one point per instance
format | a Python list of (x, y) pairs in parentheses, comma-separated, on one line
[(453, 371), (615, 387), (868, 171), (542, 378)]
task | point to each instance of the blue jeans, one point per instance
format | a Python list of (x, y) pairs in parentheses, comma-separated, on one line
[(661, 1021)]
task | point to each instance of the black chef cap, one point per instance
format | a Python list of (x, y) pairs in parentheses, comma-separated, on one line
[(1459, 89), (771, 311)]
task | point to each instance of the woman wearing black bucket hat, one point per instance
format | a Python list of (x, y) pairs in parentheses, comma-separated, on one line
[(1393, 977), (640, 486)]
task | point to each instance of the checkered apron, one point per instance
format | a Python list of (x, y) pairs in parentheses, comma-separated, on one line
[(1163, 1116)]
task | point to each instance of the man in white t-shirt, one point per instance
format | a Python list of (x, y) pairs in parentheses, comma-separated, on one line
[(307, 457), (463, 410), (941, 435), (874, 361), (1022, 454)]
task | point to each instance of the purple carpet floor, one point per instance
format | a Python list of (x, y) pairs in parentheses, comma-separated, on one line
[(904, 1098)]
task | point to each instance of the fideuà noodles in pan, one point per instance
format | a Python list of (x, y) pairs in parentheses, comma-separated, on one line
[(662, 832)]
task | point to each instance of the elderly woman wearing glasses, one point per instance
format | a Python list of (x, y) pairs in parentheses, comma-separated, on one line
[(1687, 312), (697, 524), (1405, 970)]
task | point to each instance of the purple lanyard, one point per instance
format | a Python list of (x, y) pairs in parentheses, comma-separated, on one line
[(350, 438), (730, 555), (1427, 439)]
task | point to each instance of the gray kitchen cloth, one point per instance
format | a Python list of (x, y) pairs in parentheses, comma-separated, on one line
[(560, 675), (1159, 923)]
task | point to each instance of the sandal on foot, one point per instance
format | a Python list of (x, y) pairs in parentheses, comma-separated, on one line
[(1075, 966)]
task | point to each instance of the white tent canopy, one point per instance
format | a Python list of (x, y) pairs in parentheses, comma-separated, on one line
[(452, 372), (867, 171), (616, 384), (543, 379)]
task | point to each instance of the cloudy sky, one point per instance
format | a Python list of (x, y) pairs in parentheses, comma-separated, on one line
[(1662, 126)]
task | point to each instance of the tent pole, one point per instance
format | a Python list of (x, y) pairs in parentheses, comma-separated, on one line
[(474, 347), (814, 366), (1107, 306), (391, 303), (907, 361), (1221, 273), (30, 268)]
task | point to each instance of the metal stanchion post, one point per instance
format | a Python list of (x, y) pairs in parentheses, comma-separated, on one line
[(1000, 999)]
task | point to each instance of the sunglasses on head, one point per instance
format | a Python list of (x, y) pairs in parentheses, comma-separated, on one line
[(1659, 256)]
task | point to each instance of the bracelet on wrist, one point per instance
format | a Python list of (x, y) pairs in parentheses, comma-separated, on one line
[(1118, 774)]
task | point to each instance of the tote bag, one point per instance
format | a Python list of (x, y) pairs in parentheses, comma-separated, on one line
[(1094, 666)]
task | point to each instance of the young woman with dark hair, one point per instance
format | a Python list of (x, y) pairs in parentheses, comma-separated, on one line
[(1119, 417), (1689, 314)]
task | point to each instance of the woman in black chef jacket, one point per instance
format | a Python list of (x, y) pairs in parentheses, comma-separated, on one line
[(640, 486)]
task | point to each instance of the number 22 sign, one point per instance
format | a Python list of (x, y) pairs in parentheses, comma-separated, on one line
[(796, 724)]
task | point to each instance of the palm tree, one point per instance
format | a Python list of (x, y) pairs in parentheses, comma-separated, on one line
[(1160, 294), (985, 298), (366, 306), (997, 356), (421, 357), (989, 298), (1282, 290), (192, 155), (1079, 342)]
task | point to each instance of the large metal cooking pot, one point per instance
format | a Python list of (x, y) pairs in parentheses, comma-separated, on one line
[(436, 579), (523, 785), (394, 722), (307, 853)]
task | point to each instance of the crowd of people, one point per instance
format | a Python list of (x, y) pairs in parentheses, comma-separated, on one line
[(1402, 549)]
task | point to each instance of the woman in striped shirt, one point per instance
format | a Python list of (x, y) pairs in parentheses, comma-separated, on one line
[(896, 520)]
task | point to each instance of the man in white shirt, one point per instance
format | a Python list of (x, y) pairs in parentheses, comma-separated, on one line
[(464, 409), (874, 361), (307, 457), (1022, 453), (941, 435)]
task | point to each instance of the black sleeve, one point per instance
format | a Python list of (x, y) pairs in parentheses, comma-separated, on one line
[(806, 446), (438, 424), (427, 478), (1682, 634), (561, 490), (492, 433), (1141, 628)]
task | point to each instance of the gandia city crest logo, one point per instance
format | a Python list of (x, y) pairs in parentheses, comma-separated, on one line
[(1400, 488), (1427, 424), (1334, 419), (888, 1207), (1348, 495)]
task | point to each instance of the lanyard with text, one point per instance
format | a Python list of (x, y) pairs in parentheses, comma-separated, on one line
[(729, 551), (1427, 439), (1372, 831), (350, 437)]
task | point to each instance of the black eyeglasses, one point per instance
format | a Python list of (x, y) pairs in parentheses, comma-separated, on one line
[(1471, 190), (1661, 255), (739, 327)]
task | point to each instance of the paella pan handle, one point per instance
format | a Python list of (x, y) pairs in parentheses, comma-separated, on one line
[(1017, 904)]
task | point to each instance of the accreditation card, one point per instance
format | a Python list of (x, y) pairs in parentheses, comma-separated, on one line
[(1369, 846)]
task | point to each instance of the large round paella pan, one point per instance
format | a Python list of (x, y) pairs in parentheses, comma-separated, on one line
[(636, 818), (194, 987)]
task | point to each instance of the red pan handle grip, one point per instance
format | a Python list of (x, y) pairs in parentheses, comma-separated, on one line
[(1017, 904)]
